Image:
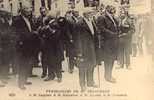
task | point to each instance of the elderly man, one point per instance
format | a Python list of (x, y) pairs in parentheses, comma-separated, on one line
[(85, 50), (24, 45), (40, 25), (108, 26)]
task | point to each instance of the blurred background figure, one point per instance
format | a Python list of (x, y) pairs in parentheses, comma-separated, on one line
[(5, 46), (109, 31), (127, 28), (136, 37), (40, 26), (72, 18)]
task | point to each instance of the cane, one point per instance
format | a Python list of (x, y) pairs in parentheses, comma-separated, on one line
[(99, 46), (98, 76), (68, 62)]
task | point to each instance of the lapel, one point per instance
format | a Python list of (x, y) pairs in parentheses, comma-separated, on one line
[(109, 19), (86, 26), (25, 24), (94, 25), (112, 21)]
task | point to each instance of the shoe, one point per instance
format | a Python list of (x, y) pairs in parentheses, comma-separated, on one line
[(7, 78), (13, 73), (128, 67), (43, 75), (122, 66), (99, 64), (71, 71), (33, 75), (28, 83), (2, 85), (22, 87), (111, 80), (59, 80), (83, 88), (49, 78), (93, 85), (119, 67), (4, 82)]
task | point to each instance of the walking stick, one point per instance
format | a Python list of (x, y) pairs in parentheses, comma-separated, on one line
[(98, 76), (99, 46), (68, 64)]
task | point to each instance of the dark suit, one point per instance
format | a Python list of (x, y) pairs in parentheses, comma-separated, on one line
[(25, 48), (5, 47), (109, 35), (70, 36), (40, 25), (52, 51), (125, 42), (84, 45)]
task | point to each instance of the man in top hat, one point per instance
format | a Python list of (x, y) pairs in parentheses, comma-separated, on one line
[(85, 50), (108, 27)]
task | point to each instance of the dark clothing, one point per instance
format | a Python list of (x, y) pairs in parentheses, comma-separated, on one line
[(84, 45), (52, 50), (125, 47), (42, 22), (6, 47), (25, 48), (70, 36), (109, 37)]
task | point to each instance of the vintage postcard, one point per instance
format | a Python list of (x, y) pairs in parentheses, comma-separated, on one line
[(76, 49)]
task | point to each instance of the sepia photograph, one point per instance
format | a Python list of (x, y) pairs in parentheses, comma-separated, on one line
[(76, 49)]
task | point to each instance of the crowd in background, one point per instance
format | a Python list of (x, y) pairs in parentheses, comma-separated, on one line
[(88, 39)]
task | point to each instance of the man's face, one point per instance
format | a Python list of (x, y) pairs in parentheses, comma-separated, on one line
[(87, 15), (112, 10), (76, 14), (27, 12), (43, 12)]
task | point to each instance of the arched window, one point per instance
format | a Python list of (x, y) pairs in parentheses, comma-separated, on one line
[(20, 5), (43, 3), (91, 3), (11, 7), (33, 5)]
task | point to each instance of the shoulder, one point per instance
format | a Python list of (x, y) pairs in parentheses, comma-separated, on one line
[(101, 17), (16, 19), (80, 20)]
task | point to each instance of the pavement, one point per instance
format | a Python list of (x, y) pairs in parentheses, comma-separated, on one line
[(134, 84)]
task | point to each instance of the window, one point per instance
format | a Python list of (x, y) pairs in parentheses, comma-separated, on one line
[(20, 5), (91, 3), (11, 7)]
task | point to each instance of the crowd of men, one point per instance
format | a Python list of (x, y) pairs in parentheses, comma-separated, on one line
[(26, 41)]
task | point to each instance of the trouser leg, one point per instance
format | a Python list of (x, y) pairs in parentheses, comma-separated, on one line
[(24, 70), (58, 68), (51, 73), (44, 64), (82, 75), (134, 50), (108, 64), (89, 74), (127, 57), (71, 63), (121, 57)]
